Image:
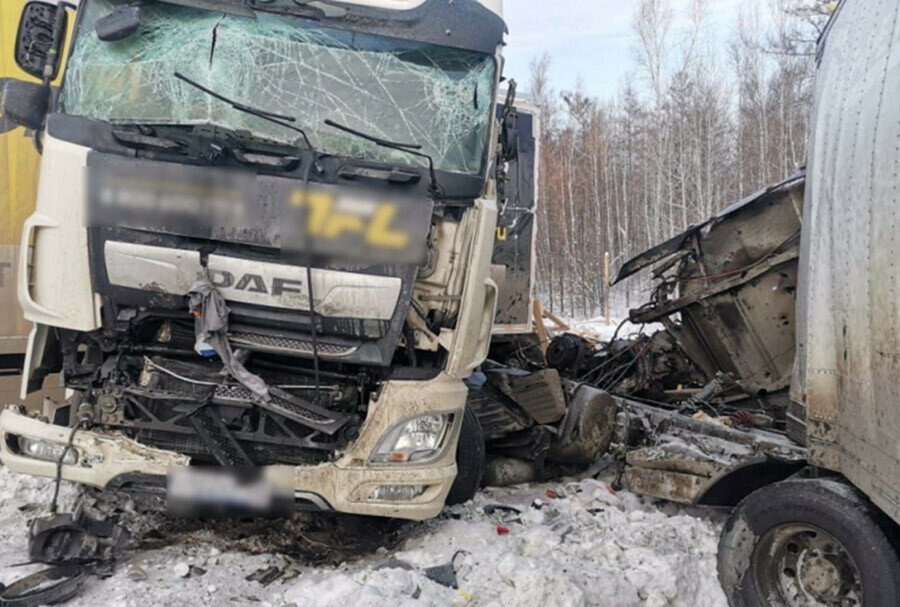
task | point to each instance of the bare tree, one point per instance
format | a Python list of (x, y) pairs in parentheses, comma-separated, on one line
[(624, 174)]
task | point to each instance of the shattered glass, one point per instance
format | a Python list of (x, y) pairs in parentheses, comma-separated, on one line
[(403, 91)]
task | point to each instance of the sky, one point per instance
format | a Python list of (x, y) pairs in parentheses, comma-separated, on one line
[(590, 38)]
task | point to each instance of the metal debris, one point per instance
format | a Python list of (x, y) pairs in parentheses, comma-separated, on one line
[(65, 538), (265, 575), (48, 587)]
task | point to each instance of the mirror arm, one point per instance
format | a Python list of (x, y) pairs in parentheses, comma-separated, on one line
[(53, 56), (54, 52)]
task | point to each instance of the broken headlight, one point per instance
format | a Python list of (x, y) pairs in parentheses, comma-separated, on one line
[(45, 450), (414, 440)]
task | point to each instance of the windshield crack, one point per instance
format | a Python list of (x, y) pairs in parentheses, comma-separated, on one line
[(393, 89)]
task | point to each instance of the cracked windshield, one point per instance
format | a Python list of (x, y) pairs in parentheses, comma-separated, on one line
[(408, 92)]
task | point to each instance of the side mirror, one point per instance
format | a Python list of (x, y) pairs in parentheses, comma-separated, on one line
[(25, 103), (119, 24), (39, 38)]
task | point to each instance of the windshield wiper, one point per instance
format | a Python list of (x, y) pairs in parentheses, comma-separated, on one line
[(409, 148), (278, 119), (245, 146)]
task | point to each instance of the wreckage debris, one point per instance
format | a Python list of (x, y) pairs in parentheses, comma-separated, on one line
[(137, 574), (77, 546), (265, 575), (48, 587)]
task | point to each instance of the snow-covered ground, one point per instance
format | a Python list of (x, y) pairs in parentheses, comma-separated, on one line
[(574, 543)]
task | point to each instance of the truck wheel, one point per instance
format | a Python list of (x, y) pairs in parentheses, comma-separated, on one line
[(469, 460), (807, 542)]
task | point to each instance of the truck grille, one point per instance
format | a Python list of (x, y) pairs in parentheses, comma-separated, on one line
[(289, 345), (232, 394)]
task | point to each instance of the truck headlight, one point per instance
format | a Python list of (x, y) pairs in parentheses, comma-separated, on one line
[(45, 450), (414, 440)]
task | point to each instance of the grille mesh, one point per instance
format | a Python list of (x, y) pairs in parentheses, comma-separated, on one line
[(242, 394), (287, 344)]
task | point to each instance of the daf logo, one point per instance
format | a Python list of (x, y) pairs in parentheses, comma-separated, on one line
[(254, 283)]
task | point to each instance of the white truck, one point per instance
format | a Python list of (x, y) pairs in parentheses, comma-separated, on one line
[(322, 180)]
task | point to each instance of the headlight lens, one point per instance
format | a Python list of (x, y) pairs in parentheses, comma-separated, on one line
[(45, 450), (412, 441)]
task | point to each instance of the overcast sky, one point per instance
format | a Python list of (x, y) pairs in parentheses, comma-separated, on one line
[(591, 38)]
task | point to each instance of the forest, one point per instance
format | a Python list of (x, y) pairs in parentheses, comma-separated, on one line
[(697, 124)]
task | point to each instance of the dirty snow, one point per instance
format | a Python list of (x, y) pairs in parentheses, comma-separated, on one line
[(585, 544)]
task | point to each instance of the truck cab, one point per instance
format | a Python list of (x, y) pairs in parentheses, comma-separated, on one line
[(263, 239)]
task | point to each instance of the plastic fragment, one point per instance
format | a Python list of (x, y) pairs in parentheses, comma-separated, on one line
[(445, 575), (501, 530)]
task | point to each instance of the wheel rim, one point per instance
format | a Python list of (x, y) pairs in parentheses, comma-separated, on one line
[(799, 565)]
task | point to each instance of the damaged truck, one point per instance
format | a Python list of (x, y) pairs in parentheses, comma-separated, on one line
[(771, 389), (293, 236), (280, 236), (263, 237)]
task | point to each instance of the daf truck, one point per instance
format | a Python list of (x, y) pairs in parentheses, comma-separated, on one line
[(263, 239)]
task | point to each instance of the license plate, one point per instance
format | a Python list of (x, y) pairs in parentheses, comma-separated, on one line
[(205, 492)]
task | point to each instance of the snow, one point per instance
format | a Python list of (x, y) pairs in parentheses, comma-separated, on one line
[(598, 329), (590, 545)]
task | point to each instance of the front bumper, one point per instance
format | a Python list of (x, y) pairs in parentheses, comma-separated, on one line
[(345, 485)]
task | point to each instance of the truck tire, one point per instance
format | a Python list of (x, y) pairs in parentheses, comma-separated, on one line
[(807, 542), (469, 460)]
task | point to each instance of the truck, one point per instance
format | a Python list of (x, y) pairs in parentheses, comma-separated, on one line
[(783, 311), (275, 237), (828, 536), (364, 124)]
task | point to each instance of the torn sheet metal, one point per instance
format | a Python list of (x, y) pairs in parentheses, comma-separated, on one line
[(680, 458), (540, 393), (733, 282)]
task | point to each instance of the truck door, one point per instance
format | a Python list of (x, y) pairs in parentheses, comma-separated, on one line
[(512, 264)]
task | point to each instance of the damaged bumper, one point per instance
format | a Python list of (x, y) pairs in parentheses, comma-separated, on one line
[(352, 483)]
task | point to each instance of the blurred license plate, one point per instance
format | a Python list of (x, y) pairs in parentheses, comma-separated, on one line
[(205, 492)]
